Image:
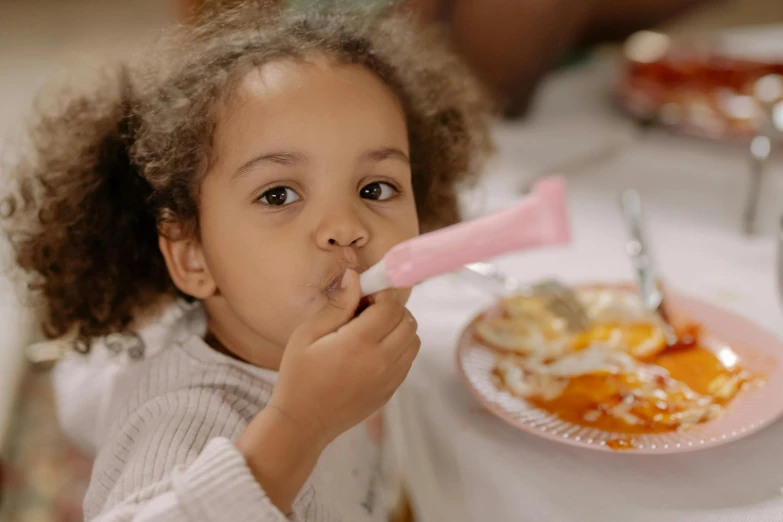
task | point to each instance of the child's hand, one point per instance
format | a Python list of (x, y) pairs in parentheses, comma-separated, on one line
[(337, 370)]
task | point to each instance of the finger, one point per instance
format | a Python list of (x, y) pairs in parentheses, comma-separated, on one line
[(398, 339), (378, 320), (387, 295), (339, 310), (409, 354), (400, 369)]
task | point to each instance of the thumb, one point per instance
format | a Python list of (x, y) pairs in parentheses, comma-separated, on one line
[(340, 309)]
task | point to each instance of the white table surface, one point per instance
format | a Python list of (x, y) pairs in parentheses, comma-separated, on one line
[(462, 464)]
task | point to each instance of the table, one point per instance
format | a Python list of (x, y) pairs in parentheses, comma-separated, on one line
[(462, 464)]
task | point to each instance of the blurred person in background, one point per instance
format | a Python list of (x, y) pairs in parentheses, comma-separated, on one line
[(512, 44)]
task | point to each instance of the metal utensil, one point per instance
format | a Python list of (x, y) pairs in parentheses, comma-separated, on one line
[(650, 287), (768, 92), (562, 301), (559, 299), (760, 149), (780, 260), (488, 273)]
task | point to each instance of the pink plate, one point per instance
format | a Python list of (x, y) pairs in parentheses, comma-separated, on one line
[(759, 352)]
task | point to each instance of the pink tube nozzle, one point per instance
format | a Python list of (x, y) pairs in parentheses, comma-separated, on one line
[(541, 219)]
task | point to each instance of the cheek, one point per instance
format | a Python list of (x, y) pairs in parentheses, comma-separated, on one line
[(258, 272), (397, 224), (411, 219), (400, 219), (264, 291), (405, 223)]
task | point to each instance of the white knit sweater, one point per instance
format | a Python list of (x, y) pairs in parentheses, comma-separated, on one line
[(167, 453)]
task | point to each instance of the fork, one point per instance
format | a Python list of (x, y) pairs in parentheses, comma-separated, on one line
[(650, 286), (780, 260), (768, 93), (559, 299)]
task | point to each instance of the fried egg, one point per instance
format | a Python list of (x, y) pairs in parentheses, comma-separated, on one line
[(523, 325), (618, 375)]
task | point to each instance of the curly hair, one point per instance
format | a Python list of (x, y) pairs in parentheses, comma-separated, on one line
[(112, 168)]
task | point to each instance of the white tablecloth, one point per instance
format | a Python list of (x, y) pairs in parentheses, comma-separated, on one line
[(462, 464)]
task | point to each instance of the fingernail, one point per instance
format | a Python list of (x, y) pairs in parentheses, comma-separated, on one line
[(344, 280)]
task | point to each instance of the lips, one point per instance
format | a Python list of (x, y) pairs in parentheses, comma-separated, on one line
[(334, 282), (334, 285)]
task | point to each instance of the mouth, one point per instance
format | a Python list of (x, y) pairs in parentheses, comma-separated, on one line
[(364, 304), (334, 284)]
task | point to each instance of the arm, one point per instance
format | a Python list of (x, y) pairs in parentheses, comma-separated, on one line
[(280, 453), (511, 44), (216, 486), (155, 472), (172, 458), (508, 43), (335, 372), (612, 19)]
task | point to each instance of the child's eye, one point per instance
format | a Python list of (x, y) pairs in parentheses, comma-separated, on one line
[(378, 191), (279, 196)]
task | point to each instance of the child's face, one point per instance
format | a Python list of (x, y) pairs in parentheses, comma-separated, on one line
[(310, 176)]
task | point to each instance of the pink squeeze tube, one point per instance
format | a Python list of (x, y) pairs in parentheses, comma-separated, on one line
[(539, 220)]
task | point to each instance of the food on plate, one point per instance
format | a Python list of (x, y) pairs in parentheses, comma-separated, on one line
[(698, 87), (620, 374)]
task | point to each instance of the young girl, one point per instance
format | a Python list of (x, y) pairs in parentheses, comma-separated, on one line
[(260, 162)]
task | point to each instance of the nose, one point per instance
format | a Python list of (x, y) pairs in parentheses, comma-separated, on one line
[(342, 227)]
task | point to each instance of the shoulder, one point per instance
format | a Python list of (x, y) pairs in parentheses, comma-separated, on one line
[(188, 374), (178, 407)]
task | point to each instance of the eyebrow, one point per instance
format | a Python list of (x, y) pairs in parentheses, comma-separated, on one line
[(286, 159), (293, 158), (376, 155)]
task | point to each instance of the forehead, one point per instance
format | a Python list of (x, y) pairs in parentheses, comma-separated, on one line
[(315, 100)]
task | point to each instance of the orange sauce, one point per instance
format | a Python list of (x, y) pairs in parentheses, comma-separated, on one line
[(589, 395), (696, 366), (621, 444)]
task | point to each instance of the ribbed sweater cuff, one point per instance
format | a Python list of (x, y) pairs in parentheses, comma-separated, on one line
[(219, 486)]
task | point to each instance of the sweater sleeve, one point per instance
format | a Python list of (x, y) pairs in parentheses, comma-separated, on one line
[(173, 459), (217, 486)]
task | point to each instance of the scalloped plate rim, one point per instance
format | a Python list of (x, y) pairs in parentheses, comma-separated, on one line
[(680, 302)]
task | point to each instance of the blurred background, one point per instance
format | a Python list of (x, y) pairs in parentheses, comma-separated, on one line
[(43, 477)]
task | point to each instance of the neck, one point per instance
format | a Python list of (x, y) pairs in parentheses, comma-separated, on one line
[(233, 338), (216, 344)]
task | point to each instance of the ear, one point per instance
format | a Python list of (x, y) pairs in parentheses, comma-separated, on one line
[(187, 266)]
